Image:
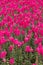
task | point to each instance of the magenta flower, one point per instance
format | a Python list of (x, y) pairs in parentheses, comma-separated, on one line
[(16, 31), (11, 61), (39, 49), (11, 47), (28, 49), (33, 64), (3, 54)]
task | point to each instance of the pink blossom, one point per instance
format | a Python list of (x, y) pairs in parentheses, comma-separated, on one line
[(11, 47), (33, 64), (26, 39), (4, 60), (3, 54), (2, 41), (12, 61), (16, 31), (27, 49), (39, 49)]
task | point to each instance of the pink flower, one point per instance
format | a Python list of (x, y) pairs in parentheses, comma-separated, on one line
[(24, 24), (19, 44), (17, 31), (38, 40), (41, 32), (35, 29), (11, 39), (16, 41), (12, 61), (4, 60), (2, 41), (39, 49), (28, 49), (11, 47), (8, 33), (33, 64), (23, 32), (26, 39), (3, 54)]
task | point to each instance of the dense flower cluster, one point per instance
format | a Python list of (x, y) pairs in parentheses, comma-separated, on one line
[(20, 21)]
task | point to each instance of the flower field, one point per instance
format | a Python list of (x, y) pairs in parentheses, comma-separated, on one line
[(21, 32)]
